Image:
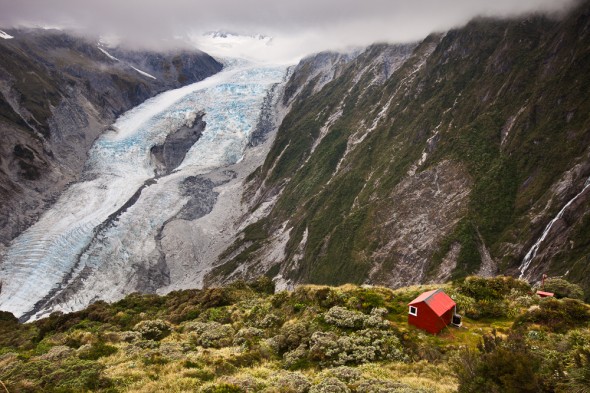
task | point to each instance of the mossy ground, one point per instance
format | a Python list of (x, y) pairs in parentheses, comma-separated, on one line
[(244, 338)]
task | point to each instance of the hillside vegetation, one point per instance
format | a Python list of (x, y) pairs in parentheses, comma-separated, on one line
[(245, 338), (449, 164)]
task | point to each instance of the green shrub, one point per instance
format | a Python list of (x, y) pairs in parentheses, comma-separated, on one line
[(154, 358), (70, 375), (563, 288), (217, 314), (363, 346), (350, 319), (501, 366), (155, 329), (345, 374), (487, 309), (96, 351), (557, 315), (578, 374), (263, 285), (297, 358), (248, 336), (495, 288), (288, 382), (223, 388), (344, 318), (7, 319), (330, 385), (292, 335), (210, 334)]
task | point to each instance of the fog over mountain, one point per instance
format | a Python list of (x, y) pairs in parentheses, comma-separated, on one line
[(304, 26)]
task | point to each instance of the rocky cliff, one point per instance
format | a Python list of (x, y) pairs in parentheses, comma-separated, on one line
[(57, 94), (457, 155)]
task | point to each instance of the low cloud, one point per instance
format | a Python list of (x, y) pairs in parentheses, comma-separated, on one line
[(306, 25)]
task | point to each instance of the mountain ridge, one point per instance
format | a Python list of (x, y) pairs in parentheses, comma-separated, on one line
[(59, 92), (483, 106)]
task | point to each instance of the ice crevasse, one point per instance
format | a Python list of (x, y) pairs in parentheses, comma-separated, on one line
[(74, 239)]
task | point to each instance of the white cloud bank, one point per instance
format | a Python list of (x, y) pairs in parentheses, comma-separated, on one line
[(297, 26)]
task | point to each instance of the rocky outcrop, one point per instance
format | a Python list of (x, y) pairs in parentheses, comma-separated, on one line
[(57, 94), (170, 154), (424, 209)]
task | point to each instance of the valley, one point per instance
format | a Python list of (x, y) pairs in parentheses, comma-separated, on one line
[(103, 236)]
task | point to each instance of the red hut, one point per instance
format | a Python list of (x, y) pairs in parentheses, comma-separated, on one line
[(431, 311), (545, 294)]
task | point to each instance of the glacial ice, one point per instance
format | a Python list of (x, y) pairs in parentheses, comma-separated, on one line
[(73, 240)]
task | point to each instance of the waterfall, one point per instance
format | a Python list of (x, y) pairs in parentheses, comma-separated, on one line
[(532, 253)]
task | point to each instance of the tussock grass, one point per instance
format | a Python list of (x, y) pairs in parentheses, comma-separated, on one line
[(243, 340)]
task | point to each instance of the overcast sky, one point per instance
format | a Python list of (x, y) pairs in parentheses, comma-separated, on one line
[(304, 25)]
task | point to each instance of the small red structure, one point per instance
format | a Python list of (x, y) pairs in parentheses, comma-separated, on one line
[(545, 294), (431, 311)]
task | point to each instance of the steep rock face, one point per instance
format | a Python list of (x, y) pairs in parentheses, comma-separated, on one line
[(349, 188), (171, 153), (303, 130), (57, 94), (427, 206)]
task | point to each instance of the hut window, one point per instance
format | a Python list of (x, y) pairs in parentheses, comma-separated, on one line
[(413, 311)]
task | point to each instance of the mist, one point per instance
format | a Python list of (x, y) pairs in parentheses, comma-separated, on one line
[(296, 27)]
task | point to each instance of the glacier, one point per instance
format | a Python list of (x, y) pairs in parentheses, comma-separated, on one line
[(99, 241)]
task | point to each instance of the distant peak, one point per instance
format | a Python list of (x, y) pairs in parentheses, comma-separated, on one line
[(230, 34), (226, 44)]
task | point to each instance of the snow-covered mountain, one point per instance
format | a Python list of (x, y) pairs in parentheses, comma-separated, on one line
[(234, 45)]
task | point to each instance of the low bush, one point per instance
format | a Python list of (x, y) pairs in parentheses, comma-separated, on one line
[(344, 318), (155, 329), (291, 336), (557, 315), (359, 347), (210, 334), (501, 366), (330, 385), (487, 309), (248, 336), (495, 288), (288, 382), (96, 351), (563, 288), (70, 375)]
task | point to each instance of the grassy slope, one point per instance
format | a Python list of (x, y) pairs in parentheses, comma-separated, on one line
[(242, 338)]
